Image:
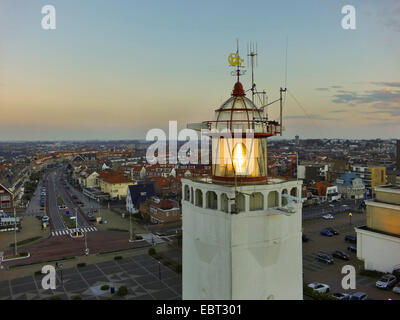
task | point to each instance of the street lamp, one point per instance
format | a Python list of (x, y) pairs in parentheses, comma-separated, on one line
[(130, 227), (86, 247), (15, 231), (60, 267), (350, 215), (76, 220), (159, 270)]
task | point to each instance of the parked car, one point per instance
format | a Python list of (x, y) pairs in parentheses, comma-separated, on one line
[(386, 282), (45, 219), (359, 296), (319, 287), (396, 289), (352, 249), (334, 231), (341, 296), (328, 216), (326, 233), (324, 257), (341, 255), (304, 238), (350, 238)]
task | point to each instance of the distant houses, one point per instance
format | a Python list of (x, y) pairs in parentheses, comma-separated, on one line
[(138, 194), (6, 199), (350, 186)]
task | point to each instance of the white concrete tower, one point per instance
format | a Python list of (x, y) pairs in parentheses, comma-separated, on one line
[(241, 228)]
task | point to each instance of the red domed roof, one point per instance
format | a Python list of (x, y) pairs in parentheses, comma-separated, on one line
[(238, 90)]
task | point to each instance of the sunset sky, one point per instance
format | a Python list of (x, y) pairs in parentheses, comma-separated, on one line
[(115, 69)]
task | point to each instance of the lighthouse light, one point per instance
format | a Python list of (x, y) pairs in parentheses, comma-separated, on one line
[(240, 159)]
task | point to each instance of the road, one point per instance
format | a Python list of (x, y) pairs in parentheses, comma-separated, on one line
[(57, 223), (320, 210)]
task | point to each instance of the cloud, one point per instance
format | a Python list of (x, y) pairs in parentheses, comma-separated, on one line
[(322, 89), (309, 117), (336, 87), (382, 102), (387, 84), (370, 96), (337, 111), (389, 14)]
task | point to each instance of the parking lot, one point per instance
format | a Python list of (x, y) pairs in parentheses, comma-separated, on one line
[(144, 277), (316, 271)]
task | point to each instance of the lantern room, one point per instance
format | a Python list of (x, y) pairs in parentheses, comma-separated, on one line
[(239, 135)]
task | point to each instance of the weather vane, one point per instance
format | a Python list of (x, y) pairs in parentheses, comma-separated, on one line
[(235, 60)]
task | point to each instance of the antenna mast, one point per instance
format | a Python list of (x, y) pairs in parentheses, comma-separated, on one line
[(252, 53)]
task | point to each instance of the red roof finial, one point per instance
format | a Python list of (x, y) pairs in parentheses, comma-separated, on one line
[(238, 90)]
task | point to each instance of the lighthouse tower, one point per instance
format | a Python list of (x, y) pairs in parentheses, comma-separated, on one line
[(241, 228)]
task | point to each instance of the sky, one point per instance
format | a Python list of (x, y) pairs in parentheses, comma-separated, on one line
[(116, 69)]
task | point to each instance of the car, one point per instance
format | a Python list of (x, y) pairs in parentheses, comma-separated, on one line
[(359, 296), (341, 296), (319, 287), (345, 206), (72, 217), (324, 257), (304, 238), (326, 233), (350, 238), (74, 197), (341, 255), (334, 231), (328, 217), (386, 282), (352, 249), (45, 219), (396, 289)]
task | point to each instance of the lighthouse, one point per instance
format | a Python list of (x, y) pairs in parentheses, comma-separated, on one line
[(242, 235)]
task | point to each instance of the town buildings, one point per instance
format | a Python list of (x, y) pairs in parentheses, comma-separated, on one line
[(138, 194), (350, 186), (6, 199), (161, 211)]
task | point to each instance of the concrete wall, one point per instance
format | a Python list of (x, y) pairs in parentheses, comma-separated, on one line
[(387, 197), (383, 217), (206, 255), (266, 257), (378, 251)]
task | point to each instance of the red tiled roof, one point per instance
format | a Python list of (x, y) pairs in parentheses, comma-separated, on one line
[(114, 177)]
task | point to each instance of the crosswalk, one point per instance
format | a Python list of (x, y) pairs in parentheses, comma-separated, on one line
[(66, 232)]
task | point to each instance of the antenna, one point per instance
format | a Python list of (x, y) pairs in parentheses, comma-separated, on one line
[(252, 54)]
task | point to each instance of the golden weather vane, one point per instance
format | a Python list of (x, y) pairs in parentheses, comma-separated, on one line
[(235, 60)]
